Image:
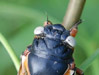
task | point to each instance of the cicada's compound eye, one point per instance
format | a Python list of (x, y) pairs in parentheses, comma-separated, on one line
[(71, 41), (39, 30)]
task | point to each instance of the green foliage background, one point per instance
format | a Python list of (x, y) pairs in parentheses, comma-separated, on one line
[(18, 18)]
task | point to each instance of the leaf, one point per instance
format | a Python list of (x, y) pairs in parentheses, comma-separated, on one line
[(88, 62), (10, 51)]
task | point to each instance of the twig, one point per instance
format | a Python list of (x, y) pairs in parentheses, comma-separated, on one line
[(73, 13), (10, 51)]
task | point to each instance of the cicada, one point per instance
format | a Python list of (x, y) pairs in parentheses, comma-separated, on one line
[(51, 52)]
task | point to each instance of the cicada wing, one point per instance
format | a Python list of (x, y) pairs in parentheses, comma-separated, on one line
[(20, 70), (24, 66)]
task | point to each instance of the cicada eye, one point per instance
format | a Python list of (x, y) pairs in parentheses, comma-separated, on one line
[(39, 30), (71, 41)]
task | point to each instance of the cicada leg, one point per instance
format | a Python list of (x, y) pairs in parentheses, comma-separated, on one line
[(71, 69), (79, 72)]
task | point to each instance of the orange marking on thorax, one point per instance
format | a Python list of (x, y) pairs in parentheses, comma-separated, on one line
[(73, 32), (47, 23)]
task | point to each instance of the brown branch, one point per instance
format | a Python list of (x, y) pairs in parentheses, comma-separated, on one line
[(73, 13)]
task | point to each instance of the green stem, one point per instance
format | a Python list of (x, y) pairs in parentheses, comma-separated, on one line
[(10, 51), (89, 61)]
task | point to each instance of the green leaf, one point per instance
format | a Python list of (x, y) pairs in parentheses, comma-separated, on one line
[(10, 51), (88, 62)]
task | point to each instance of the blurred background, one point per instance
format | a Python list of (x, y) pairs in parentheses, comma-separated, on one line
[(18, 18)]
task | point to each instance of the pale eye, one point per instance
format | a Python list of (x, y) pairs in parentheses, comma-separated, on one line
[(71, 41), (39, 30)]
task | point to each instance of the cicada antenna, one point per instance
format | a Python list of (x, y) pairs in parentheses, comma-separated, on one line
[(47, 22), (76, 25), (79, 22), (47, 19)]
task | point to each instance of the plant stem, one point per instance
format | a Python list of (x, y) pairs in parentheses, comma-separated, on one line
[(10, 51), (73, 13)]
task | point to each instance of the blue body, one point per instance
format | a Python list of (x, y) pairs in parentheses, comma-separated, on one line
[(49, 54)]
